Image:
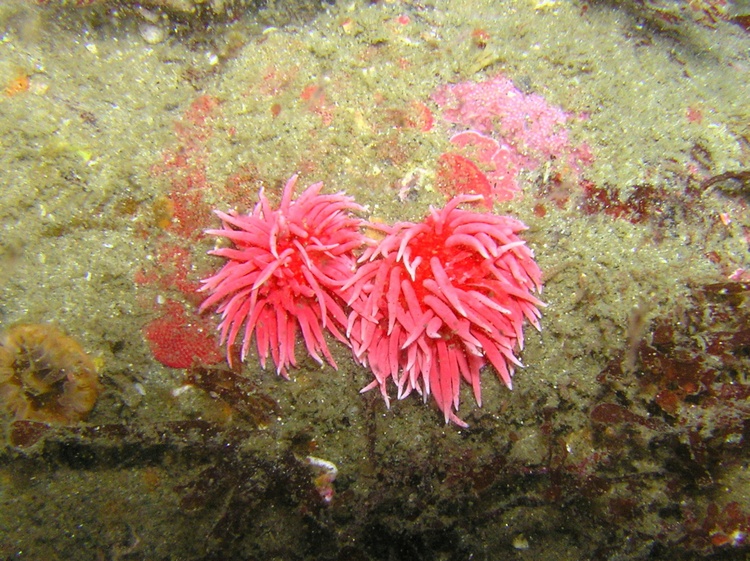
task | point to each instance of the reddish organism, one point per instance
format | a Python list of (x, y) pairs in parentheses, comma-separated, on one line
[(283, 274), (434, 302)]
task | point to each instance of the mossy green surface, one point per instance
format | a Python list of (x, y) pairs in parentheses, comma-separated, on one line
[(162, 470)]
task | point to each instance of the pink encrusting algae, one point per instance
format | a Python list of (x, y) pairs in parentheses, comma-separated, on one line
[(434, 302), (527, 122), (284, 272), (506, 131)]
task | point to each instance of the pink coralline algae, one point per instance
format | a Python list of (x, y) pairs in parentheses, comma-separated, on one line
[(434, 302), (284, 272), (506, 131), (500, 163), (456, 175)]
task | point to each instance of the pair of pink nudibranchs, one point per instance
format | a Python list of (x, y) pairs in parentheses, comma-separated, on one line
[(426, 306)]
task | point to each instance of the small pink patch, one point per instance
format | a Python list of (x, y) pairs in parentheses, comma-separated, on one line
[(458, 175), (500, 163), (316, 100), (201, 109), (694, 115), (179, 340), (426, 120)]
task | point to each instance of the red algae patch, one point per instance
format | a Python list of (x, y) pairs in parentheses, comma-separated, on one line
[(181, 339), (45, 375)]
